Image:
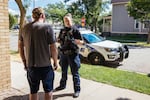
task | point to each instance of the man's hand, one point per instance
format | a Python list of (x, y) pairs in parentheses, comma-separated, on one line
[(55, 66), (54, 53), (25, 66)]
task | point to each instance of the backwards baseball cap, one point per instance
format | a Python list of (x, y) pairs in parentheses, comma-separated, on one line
[(37, 12)]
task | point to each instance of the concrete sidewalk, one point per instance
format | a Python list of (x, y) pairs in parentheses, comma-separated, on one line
[(90, 90)]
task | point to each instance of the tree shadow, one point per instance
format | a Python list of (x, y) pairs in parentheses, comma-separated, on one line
[(41, 96), (17, 97), (62, 95), (123, 99), (106, 64), (112, 64)]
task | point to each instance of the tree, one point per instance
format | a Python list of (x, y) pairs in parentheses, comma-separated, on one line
[(93, 12), (77, 12), (12, 20), (140, 10), (90, 9), (55, 12), (23, 5)]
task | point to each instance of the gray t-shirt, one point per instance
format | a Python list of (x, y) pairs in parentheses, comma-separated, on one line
[(37, 37)]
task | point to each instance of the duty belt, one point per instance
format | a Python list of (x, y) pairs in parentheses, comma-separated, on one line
[(69, 52)]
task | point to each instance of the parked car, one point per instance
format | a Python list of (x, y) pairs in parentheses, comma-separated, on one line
[(98, 50), (15, 27)]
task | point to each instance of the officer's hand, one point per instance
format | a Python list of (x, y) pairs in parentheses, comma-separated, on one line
[(80, 42), (77, 41), (83, 43)]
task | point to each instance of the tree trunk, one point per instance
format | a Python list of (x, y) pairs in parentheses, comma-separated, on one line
[(148, 39), (22, 14), (22, 21), (96, 25), (92, 28)]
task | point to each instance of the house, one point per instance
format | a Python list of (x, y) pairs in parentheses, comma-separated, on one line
[(107, 23), (122, 23)]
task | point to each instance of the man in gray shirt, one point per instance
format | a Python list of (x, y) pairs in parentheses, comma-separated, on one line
[(36, 43)]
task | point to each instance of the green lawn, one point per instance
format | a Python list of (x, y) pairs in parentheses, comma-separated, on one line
[(13, 52), (131, 39), (119, 78), (128, 38)]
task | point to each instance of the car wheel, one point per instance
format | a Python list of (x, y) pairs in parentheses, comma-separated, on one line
[(96, 59), (127, 50), (83, 59)]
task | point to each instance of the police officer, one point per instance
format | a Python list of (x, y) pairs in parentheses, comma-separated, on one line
[(69, 39)]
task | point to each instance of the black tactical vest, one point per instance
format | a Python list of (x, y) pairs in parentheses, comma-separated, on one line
[(67, 41)]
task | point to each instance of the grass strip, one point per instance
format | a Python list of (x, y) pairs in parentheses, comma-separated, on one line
[(124, 79)]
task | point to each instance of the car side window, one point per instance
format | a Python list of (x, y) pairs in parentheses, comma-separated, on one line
[(91, 38)]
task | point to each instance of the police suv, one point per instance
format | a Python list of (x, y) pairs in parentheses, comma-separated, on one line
[(97, 50)]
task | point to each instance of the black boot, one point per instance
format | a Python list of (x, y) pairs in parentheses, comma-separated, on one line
[(59, 88), (76, 94)]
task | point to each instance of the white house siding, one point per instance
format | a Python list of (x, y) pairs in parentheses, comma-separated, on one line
[(121, 22)]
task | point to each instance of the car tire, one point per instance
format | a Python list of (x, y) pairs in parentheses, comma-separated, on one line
[(127, 50), (96, 59)]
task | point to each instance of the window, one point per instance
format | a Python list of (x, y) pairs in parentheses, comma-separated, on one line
[(92, 38), (145, 25), (136, 24)]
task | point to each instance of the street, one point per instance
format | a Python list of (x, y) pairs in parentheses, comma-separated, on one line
[(138, 60)]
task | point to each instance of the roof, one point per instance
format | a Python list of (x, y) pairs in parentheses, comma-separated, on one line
[(118, 1)]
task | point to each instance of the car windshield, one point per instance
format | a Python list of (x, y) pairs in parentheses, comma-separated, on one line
[(92, 38)]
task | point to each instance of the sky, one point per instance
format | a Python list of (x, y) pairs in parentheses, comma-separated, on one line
[(13, 7)]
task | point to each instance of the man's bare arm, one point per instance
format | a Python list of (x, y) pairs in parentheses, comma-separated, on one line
[(54, 54), (21, 52)]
